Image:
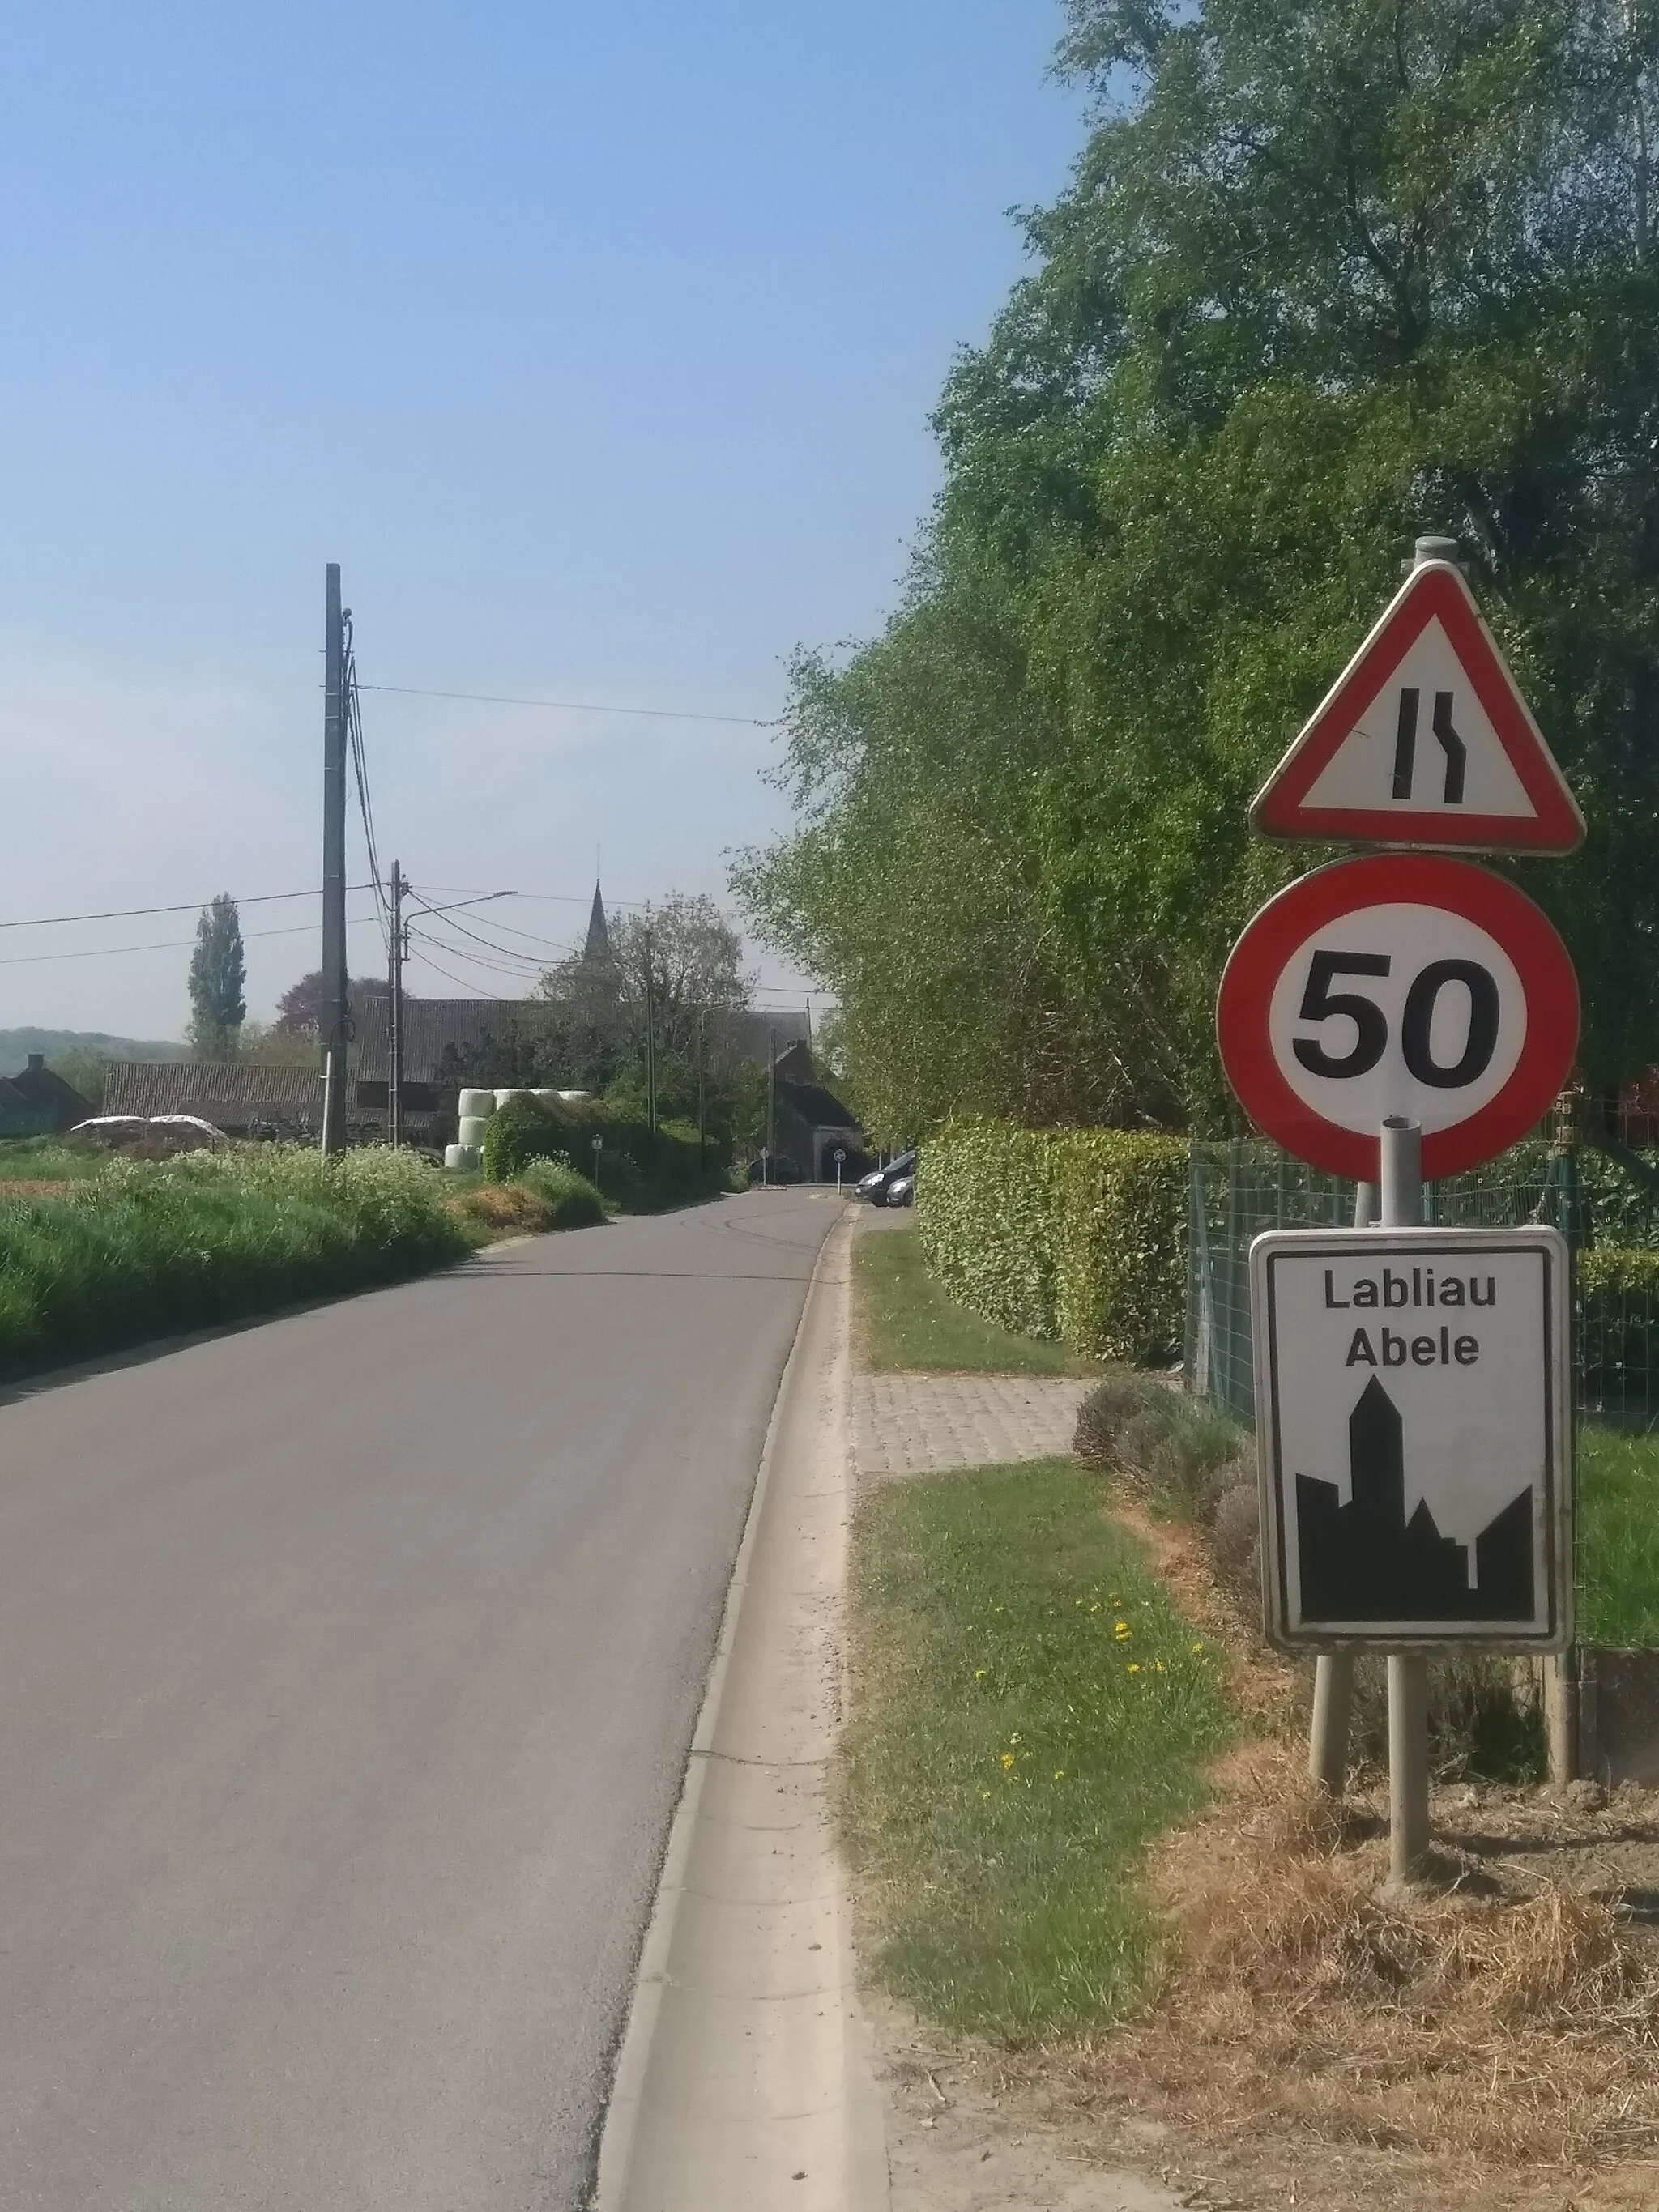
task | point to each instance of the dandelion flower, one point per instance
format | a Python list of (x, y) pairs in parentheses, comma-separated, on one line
[(979, 1673), (1134, 1666), (1060, 1774), (1007, 1759), (1198, 1647)]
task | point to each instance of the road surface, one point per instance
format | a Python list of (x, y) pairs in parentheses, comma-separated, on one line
[(347, 1669)]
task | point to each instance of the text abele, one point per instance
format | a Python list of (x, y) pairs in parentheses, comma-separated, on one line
[(1417, 1287)]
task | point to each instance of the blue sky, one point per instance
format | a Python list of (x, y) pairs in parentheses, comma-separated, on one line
[(597, 344)]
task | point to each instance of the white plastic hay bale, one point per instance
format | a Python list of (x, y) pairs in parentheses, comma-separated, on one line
[(478, 1105), (471, 1130), (573, 1097), (547, 1097), (455, 1156), (517, 1091), (471, 1160)]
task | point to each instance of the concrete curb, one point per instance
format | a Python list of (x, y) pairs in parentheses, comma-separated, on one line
[(744, 2080)]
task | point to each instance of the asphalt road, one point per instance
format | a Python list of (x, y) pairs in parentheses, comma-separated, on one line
[(346, 1670)]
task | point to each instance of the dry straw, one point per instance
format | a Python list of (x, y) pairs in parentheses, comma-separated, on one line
[(1510, 2024)]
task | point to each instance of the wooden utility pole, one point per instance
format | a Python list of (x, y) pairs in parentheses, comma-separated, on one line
[(650, 1038), (702, 1141), (771, 1101), (333, 1015), (394, 1057)]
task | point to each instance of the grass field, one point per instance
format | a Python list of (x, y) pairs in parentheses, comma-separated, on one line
[(905, 1321), (1029, 1709), (1618, 1539), (49, 1159), (140, 1250)]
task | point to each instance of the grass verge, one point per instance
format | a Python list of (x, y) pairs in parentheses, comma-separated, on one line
[(50, 1159), (1030, 1710), (545, 1196), (147, 1249), (1618, 1539), (905, 1321)]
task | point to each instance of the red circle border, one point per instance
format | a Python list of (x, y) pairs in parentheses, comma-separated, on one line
[(1491, 902)]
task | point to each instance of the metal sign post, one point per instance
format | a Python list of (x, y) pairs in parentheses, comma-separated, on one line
[(1385, 1017), (1401, 1153)]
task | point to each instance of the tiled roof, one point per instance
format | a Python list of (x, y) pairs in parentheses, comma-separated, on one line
[(432, 1024), (818, 1107), (41, 1088), (227, 1093)]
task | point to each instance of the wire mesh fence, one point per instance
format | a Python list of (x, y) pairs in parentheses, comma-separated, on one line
[(1606, 1208)]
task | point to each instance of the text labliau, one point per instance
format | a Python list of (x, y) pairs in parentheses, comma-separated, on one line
[(1420, 1286)]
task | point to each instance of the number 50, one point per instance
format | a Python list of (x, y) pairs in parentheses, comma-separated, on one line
[(1320, 1003)]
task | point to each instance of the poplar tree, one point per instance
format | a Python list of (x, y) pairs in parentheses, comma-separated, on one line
[(218, 981)]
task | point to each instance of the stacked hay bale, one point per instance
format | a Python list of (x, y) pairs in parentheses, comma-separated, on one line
[(476, 1107)]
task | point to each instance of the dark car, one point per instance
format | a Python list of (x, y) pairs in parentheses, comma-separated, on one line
[(902, 1191), (875, 1186)]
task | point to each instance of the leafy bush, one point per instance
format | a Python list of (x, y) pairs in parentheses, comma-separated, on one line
[(1077, 1234), (634, 1166), (148, 1247), (573, 1201)]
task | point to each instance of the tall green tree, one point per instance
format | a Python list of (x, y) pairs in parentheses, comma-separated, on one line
[(218, 981), (680, 962), (1328, 276)]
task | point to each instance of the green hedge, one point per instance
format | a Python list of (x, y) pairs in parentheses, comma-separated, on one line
[(1619, 1326), (1075, 1234), (633, 1166)]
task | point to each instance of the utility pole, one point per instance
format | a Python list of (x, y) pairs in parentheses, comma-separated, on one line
[(702, 1142), (650, 1039), (771, 1101), (394, 1058), (333, 1011)]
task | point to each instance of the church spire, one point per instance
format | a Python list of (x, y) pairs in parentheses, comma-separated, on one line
[(598, 947)]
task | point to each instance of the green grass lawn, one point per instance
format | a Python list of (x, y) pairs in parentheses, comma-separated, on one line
[(50, 1159), (905, 1321), (1013, 1747), (144, 1249), (1618, 1538)]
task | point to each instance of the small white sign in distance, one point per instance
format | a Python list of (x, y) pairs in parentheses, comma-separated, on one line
[(1414, 1430)]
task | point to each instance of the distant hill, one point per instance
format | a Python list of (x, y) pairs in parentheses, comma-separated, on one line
[(17, 1045)]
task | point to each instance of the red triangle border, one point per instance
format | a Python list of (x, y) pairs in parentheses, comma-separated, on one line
[(1435, 589)]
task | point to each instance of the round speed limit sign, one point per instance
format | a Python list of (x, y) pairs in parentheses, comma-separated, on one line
[(1403, 983)]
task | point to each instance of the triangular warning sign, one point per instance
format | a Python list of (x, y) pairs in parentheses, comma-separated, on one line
[(1424, 739)]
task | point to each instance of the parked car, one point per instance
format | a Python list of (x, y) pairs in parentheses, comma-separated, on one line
[(879, 1182), (902, 1191), (776, 1167)]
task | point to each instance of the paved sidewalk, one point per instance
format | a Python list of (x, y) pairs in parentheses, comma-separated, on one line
[(912, 1424)]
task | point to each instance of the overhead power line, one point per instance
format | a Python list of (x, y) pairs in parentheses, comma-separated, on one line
[(186, 906), (419, 937), (574, 706), (169, 944)]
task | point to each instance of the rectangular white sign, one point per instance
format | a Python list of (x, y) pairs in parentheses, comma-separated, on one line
[(1414, 1428)]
